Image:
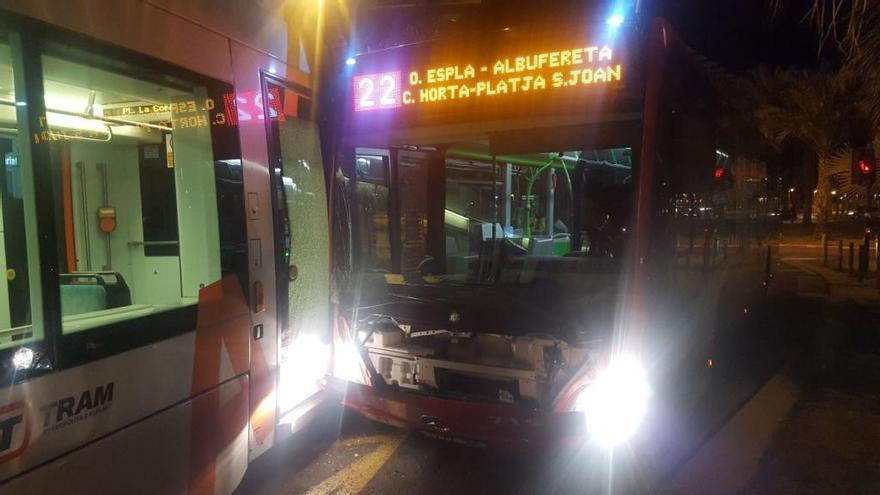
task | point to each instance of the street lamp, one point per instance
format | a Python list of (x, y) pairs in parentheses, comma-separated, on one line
[(833, 197), (790, 190)]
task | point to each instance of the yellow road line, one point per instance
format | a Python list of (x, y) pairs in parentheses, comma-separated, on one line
[(355, 477), (355, 441)]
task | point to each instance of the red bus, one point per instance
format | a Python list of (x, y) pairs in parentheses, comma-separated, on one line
[(511, 265)]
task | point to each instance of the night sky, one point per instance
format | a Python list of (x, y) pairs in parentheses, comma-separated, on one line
[(736, 34), (741, 34)]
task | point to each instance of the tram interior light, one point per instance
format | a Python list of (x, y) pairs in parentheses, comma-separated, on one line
[(69, 124), (615, 20), (75, 122)]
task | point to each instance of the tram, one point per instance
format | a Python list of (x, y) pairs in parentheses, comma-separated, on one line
[(164, 244)]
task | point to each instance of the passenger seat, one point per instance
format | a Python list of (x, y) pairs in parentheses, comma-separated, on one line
[(82, 298)]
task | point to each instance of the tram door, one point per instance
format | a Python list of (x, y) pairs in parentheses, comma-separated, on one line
[(302, 259)]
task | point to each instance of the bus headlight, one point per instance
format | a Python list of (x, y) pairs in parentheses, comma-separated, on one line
[(615, 402), (348, 363)]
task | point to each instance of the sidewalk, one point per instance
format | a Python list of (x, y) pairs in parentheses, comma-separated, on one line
[(814, 428), (830, 442), (839, 286)]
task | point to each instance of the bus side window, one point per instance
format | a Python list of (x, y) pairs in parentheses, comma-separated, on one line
[(133, 171)]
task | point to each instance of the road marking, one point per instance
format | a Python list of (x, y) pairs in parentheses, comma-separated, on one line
[(354, 478)]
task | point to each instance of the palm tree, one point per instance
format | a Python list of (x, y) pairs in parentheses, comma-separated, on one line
[(738, 128), (821, 113), (850, 26)]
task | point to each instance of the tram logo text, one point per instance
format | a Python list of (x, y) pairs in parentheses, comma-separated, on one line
[(76, 408), (14, 431)]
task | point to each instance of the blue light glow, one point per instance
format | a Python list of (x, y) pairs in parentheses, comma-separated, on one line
[(350, 61), (615, 20)]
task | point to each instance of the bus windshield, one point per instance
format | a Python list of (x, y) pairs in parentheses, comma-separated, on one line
[(457, 225)]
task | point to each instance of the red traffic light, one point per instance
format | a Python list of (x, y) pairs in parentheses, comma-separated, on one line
[(864, 166), (719, 173)]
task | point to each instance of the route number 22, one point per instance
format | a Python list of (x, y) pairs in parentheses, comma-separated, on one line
[(377, 91)]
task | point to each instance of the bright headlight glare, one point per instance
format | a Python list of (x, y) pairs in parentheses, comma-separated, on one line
[(23, 358), (615, 403), (305, 361), (347, 363)]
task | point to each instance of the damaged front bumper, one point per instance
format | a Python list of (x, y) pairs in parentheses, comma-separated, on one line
[(476, 423)]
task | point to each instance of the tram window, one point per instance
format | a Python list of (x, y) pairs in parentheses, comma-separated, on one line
[(372, 203), (19, 263), (157, 200), (133, 168)]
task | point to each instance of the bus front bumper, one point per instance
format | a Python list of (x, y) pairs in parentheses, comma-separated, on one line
[(479, 424)]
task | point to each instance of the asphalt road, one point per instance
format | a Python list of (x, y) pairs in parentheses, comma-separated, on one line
[(343, 453)]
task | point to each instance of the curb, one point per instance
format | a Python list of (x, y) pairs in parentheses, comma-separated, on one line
[(728, 460), (838, 291)]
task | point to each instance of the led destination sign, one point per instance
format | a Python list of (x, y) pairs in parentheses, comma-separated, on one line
[(545, 72)]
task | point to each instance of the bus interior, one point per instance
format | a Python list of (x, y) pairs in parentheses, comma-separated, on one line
[(562, 204)]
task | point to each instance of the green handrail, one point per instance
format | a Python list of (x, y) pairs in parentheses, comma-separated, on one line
[(527, 233), (516, 160)]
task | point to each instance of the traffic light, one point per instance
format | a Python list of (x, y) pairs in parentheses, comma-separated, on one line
[(864, 166)]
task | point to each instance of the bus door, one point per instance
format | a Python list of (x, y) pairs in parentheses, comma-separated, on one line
[(302, 249)]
